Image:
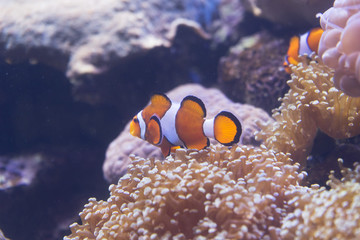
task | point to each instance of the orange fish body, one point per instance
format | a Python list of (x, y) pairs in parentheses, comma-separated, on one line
[(171, 125), (303, 44)]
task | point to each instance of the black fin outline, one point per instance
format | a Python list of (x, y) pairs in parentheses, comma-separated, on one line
[(197, 100), (237, 124), (161, 94), (207, 144)]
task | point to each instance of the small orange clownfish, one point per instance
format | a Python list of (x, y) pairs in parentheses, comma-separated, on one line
[(299, 45), (171, 125)]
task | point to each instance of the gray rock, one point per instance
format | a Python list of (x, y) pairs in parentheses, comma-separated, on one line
[(87, 37), (294, 13)]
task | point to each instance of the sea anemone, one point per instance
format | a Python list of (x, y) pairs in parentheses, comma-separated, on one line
[(215, 193), (312, 103), (327, 214)]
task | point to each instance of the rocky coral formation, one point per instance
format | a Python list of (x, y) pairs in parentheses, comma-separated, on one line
[(312, 103), (117, 155), (115, 30), (101, 47), (297, 13), (37, 107), (44, 207), (236, 193), (226, 27), (339, 45), (250, 72), (327, 214)]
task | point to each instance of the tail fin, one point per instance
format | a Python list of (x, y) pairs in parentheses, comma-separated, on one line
[(227, 128)]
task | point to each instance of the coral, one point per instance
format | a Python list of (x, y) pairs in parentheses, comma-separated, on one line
[(117, 155), (297, 13), (104, 32), (215, 193), (250, 72), (44, 207), (339, 45), (349, 175), (231, 15), (327, 214), (312, 103), (333, 214), (323, 158), (107, 39)]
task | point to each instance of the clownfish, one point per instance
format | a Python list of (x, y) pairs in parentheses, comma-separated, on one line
[(170, 125), (299, 45)]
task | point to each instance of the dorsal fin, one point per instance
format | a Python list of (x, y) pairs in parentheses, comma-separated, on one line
[(160, 99), (159, 104), (194, 104)]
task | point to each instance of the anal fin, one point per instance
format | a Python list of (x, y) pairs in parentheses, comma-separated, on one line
[(200, 144), (166, 147), (173, 149)]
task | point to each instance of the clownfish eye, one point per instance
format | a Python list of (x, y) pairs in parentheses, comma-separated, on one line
[(136, 120)]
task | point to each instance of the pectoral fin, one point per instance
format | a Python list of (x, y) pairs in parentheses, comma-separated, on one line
[(166, 147), (153, 131)]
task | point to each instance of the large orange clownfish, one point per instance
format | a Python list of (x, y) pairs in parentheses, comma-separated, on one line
[(299, 45), (171, 125)]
